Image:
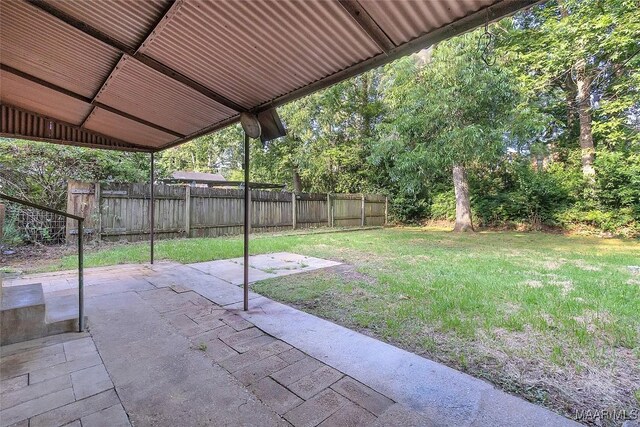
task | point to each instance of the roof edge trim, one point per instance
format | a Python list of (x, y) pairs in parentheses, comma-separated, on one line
[(19, 123)]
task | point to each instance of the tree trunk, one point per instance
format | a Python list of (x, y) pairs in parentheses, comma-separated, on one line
[(463, 204), (297, 182), (583, 101)]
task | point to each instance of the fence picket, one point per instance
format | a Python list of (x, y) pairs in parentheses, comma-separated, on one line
[(182, 211)]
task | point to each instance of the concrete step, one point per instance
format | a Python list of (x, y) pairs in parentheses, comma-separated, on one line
[(22, 313), (26, 315), (62, 314)]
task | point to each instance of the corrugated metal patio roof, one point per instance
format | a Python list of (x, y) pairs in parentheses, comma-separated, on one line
[(148, 75)]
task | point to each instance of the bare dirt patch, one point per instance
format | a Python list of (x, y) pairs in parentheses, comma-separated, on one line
[(533, 283), (553, 264), (32, 256), (591, 385), (349, 273), (584, 265)]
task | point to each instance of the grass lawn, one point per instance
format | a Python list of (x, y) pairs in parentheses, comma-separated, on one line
[(553, 318)]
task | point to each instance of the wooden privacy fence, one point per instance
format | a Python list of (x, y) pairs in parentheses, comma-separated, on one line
[(117, 212)]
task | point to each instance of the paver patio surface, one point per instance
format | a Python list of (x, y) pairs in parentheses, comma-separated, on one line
[(262, 267), (167, 345)]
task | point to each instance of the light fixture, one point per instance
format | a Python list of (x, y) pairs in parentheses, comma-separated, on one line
[(250, 124), (271, 125)]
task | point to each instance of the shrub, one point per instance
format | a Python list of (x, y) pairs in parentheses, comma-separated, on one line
[(515, 192), (409, 208), (618, 181), (443, 206)]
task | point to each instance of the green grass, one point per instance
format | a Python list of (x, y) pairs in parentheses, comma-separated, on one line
[(455, 283), (535, 313)]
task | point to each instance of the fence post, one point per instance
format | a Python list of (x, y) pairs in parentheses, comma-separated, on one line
[(386, 210), (1, 222), (98, 201), (329, 210), (187, 211), (294, 209), (249, 225), (362, 212)]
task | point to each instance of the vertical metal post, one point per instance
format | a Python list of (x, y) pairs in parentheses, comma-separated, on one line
[(247, 224), (80, 276), (152, 210)]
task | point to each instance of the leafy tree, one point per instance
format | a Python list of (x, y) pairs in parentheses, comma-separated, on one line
[(218, 152), (451, 113), (328, 139), (581, 58), (39, 171)]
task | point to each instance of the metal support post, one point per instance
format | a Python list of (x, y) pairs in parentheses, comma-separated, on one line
[(80, 275), (247, 221), (152, 210)]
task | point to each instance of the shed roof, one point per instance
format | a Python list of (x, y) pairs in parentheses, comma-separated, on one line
[(197, 176), (148, 75)]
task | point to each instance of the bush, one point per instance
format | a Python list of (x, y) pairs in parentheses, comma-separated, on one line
[(515, 192), (409, 208), (618, 182), (443, 206), (10, 233), (620, 222)]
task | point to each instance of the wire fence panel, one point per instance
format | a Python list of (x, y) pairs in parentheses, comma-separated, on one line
[(25, 225)]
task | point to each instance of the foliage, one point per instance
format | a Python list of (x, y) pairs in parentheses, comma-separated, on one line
[(38, 171), (443, 206), (519, 193), (329, 135), (398, 130), (219, 152), (453, 109), (546, 44)]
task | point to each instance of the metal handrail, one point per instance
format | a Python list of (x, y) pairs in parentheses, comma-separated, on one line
[(80, 250)]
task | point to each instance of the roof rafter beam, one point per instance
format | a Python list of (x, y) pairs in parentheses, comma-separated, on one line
[(85, 99), (133, 53), (368, 24)]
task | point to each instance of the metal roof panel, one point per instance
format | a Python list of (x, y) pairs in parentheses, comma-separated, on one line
[(37, 43), (145, 93), (405, 20), (24, 94), (115, 17), (258, 50), (107, 123)]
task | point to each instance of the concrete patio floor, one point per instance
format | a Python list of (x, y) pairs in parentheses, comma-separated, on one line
[(169, 345)]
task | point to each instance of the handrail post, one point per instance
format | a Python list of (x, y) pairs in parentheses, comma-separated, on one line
[(80, 276)]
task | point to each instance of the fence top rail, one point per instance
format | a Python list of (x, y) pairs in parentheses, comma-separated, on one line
[(44, 208)]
